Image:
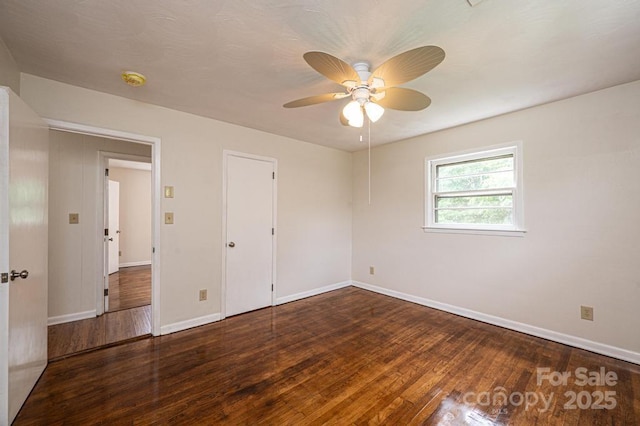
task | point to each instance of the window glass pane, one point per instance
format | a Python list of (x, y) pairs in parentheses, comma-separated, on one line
[(483, 181), (475, 201), (498, 216), (474, 190), (475, 167)]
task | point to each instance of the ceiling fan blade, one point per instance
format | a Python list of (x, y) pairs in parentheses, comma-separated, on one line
[(408, 65), (403, 99), (312, 100), (331, 67)]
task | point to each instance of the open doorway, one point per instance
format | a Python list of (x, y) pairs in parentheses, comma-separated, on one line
[(78, 317), (127, 213)]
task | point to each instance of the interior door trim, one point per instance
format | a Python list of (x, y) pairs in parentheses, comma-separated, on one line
[(155, 143), (274, 243)]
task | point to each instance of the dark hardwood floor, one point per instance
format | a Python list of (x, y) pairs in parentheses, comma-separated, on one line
[(345, 357), (129, 317), (108, 329), (130, 288)]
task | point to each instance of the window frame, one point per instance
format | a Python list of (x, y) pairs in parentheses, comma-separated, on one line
[(431, 164)]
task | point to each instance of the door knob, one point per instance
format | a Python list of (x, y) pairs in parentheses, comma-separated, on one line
[(232, 244), (15, 274), (111, 239)]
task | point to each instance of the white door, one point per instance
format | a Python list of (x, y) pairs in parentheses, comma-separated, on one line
[(250, 222), (24, 168), (114, 226)]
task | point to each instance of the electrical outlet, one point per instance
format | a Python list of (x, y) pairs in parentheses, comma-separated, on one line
[(203, 295), (586, 313), (168, 192), (74, 218), (372, 270), (168, 218)]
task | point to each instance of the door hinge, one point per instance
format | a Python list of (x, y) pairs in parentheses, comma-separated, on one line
[(153, 250), (4, 277), (106, 232), (106, 172), (273, 175), (273, 231), (271, 287), (106, 292)]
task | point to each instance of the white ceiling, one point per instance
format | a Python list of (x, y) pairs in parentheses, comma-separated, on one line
[(240, 60)]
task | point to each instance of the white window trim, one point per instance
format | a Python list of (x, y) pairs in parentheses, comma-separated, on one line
[(515, 230)]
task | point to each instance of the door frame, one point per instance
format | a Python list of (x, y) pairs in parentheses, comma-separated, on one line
[(156, 193), (102, 200), (223, 287)]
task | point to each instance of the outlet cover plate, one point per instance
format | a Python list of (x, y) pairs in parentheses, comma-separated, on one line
[(586, 313)]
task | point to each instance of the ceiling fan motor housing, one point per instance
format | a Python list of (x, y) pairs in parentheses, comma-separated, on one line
[(361, 94)]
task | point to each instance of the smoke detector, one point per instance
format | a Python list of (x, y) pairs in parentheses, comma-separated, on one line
[(133, 78)]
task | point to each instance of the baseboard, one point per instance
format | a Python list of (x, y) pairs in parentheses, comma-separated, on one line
[(60, 319), (566, 339), (207, 319), (139, 263), (184, 325), (309, 293)]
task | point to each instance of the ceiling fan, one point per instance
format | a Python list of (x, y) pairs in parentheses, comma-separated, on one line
[(372, 92)]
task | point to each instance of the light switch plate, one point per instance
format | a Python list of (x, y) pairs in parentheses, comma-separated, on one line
[(74, 218), (168, 192), (168, 218)]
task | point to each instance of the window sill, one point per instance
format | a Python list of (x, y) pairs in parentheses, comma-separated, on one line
[(492, 232)]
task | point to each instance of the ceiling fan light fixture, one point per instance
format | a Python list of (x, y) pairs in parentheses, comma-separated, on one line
[(357, 122), (353, 113), (374, 111)]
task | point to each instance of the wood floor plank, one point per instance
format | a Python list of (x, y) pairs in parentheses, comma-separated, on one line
[(130, 287), (129, 316), (79, 336), (345, 357)]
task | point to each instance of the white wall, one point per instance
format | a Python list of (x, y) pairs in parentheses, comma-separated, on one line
[(314, 195), (75, 269), (9, 73), (582, 210), (135, 215)]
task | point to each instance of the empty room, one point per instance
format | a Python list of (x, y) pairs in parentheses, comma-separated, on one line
[(320, 212)]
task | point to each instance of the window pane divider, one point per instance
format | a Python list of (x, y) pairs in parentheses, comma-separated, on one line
[(474, 175), (474, 208), (472, 193)]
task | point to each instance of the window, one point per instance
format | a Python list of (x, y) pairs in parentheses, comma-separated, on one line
[(478, 191)]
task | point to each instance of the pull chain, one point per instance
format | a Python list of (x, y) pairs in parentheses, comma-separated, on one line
[(369, 153)]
